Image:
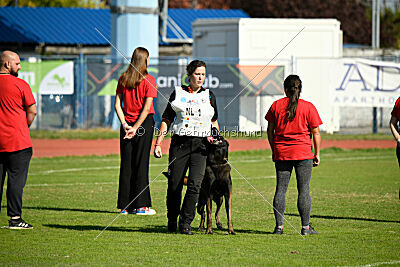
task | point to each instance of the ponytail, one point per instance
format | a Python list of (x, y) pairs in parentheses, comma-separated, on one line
[(292, 86)]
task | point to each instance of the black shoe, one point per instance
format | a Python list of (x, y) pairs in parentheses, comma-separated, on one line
[(186, 231), (309, 231), (18, 224), (278, 231), (172, 227)]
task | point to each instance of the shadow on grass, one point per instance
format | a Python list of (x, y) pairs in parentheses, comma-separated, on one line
[(345, 218), (144, 229), (69, 209), (147, 229)]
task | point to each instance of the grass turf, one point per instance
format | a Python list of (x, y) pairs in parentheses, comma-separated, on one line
[(69, 200)]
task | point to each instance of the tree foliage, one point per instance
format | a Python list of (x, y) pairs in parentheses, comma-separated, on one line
[(354, 15), (351, 14), (390, 29), (54, 3)]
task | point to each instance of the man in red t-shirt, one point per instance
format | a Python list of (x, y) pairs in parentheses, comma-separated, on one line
[(17, 112)]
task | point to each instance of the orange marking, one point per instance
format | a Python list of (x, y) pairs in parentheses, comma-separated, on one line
[(106, 76)]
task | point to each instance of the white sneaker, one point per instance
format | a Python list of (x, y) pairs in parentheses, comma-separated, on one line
[(145, 211)]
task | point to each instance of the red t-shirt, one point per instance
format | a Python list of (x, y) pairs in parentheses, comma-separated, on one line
[(133, 99), (396, 109), (293, 138), (15, 95)]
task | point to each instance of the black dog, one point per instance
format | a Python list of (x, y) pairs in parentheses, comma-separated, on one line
[(217, 184)]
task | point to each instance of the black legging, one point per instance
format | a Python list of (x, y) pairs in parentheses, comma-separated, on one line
[(303, 169)]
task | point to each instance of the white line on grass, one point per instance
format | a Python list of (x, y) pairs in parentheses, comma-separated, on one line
[(111, 183), (361, 158), (381, 263), (237, 161), (71, 184)]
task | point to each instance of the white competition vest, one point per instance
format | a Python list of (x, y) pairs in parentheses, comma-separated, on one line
[(193, 113)]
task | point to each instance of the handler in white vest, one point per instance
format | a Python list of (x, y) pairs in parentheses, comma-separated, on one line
[(192, 110)]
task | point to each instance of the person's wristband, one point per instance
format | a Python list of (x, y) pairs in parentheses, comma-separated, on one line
[(124, 125)]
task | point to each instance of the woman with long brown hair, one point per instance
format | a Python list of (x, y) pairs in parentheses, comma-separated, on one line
[(291, 123), (134, 106)]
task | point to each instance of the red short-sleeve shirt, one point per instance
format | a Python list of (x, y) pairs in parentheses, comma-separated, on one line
[(396, 109), (15, 96), (133, 99), (293, 138)]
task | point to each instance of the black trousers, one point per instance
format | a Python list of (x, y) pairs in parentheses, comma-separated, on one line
[(134, 171), (398, 153), (16, 165), (185, 152)]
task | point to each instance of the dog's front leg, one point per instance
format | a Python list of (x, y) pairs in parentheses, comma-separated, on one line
[(203, 216), (217, 213), (228, 207), (209, 209)]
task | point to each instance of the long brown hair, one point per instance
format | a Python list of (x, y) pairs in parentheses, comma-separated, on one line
[(292, 85), (137, 70)]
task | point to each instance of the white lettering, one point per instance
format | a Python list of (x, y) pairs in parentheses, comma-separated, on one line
[(162, 81), (172, 79)]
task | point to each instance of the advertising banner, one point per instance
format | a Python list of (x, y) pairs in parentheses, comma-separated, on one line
[(49, 77), (222, 79), (365, 83)]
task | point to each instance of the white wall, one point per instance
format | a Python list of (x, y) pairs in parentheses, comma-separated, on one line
[(265, 38), (274, 42)]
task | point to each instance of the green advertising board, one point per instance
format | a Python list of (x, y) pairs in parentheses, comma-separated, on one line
[(49, 77)]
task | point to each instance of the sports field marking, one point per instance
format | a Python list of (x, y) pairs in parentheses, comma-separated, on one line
[(381, 263), (361, 158), (235, 161), (71, 184), (111, 183)]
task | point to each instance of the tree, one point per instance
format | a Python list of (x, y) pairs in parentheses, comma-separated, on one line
[(54, 3), (390, 28), (351, 13)]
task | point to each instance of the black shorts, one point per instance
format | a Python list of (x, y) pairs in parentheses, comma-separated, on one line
[(398, 153)]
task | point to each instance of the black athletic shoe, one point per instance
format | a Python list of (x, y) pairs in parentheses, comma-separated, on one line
[(278, 231), (186, 231), (18, 224), (309, 231)]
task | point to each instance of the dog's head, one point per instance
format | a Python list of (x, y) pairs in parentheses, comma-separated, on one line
[(217, 148)]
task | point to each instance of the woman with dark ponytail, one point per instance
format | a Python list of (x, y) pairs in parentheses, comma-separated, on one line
[(291, 124)]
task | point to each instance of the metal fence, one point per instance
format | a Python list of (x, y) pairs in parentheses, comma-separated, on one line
[(90, 104)]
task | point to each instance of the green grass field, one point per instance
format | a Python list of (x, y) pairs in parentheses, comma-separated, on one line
[(69, 200)]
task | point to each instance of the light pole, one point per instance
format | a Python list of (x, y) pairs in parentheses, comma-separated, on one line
[(375, 44)]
